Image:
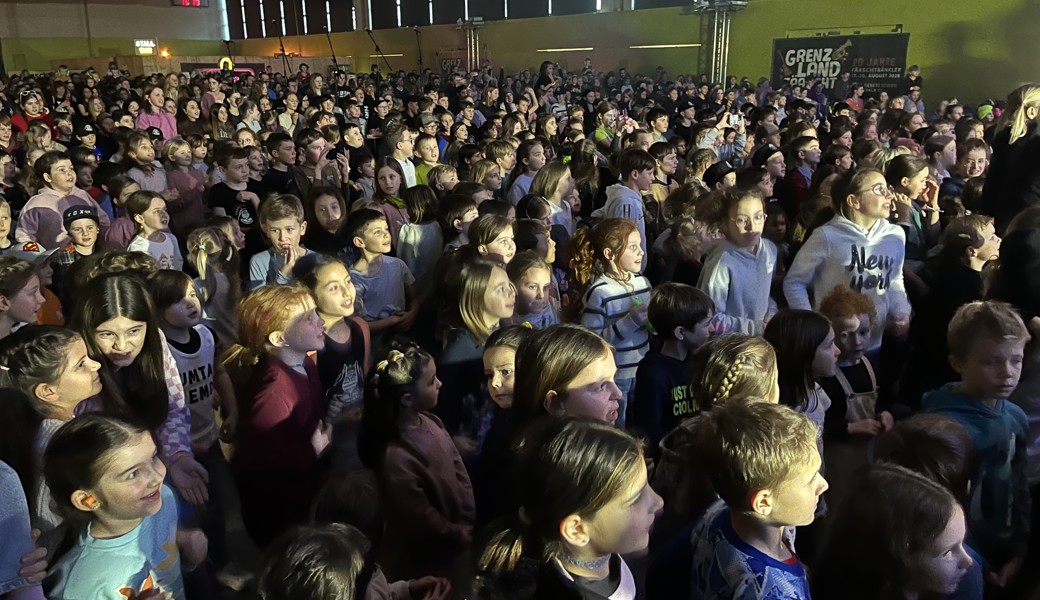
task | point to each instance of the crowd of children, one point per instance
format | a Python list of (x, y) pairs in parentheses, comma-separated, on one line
[(425, 337)]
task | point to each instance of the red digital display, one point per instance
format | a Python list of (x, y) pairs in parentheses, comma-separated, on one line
[(191, 3)]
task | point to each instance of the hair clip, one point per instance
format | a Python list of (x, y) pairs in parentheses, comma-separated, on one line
[(4, 368)]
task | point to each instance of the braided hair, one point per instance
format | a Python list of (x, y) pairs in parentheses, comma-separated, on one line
[(391, 379), (732, 366)]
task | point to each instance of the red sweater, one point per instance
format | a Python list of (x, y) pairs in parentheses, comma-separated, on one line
[(274, 462), (428, 500)]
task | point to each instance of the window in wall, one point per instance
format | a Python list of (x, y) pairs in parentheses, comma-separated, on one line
[(263, 21), (281, 14), (353, 18), (303, 11), (328, 16), (245, 27), (398, 13), (431, 11)]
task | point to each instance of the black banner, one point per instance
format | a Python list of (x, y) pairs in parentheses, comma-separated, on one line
[(876, 61)]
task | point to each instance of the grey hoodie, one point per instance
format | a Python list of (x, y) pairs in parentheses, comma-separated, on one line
[(624, 203)]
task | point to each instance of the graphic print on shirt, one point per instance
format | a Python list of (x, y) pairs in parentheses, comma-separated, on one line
[(243, 215), (198, 383), (869, 272), (347, 392)]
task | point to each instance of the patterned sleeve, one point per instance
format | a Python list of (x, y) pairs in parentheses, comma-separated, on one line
[(175, 433)]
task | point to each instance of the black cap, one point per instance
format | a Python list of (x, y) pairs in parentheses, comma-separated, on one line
[(155, 133), (717, 172), (74, 213), (763, 154), (84, 129)]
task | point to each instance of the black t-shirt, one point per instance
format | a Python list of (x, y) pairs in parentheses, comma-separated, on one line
[(278, 182), (222, 196)]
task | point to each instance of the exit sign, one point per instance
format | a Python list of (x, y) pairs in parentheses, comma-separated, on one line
[(191, 3)]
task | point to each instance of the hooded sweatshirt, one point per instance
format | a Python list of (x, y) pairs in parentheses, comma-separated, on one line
[(738, 281), (40, 220), (869, 261), (624, 203), (998, 513)]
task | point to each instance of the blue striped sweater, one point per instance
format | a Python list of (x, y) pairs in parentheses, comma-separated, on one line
[(607, 305)]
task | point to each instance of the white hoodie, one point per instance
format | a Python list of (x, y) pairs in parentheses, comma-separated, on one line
[(869, 261), (624, 203)]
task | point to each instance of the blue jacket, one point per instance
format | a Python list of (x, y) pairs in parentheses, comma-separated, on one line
[(999, 511)]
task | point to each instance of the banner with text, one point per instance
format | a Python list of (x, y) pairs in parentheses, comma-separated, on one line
[(876, 61)]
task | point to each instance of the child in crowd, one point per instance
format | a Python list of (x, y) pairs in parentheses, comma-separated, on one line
[(318, 560), (384, 283), (486, 300), (401, 142), (898, 535), (939, 448), (504, 155), (283, 175), (83, 226), (207, 388), (237, 197), (421, 242), (427, 153), (803, 156), (955, 277), (142, 166), (109, 471), (738, 272), (530, 158), (345, 360), (54, 375), (427, 492), (743, 544), (492, 238), (20, 288), (855, 416), (214, 258), (364, 175), (387, 199), (457, 213), (280, 434), (681, 316), (532, 277), (491, 482), (572, 474), (443, 179), (608, 260), (282, 221), (859, 248), (916, 206), (185, 206), (122, 229), (40, 220), (987, 344), (624, 199), (148, 211)]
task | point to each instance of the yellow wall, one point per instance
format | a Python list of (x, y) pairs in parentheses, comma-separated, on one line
[(969, 49)]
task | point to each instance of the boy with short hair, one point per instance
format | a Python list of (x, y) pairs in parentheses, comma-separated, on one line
[(83, 227), (40, 220), (283, 176), (401, 142), (282, 221), (427, 152), (763, 462), (625, 199), (987, 347), (681, 316), (384, 283), (237, 196), (503, 154)]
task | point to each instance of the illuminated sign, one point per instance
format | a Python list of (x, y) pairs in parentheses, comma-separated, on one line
[(145, 47)]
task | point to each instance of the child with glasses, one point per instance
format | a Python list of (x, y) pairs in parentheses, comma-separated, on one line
[(738, 272), (858, 248)]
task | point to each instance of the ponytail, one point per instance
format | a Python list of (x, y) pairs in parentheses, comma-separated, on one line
[(1030, 98)]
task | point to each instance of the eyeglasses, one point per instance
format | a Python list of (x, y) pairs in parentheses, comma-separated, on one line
[(743, 221), (880, 189)]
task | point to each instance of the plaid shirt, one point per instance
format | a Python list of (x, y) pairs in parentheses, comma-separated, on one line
[(67, 255)]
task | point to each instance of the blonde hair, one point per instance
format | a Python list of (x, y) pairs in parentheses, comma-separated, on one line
[(547, 181), (263, 312), (732, 366), (209, 249), (587, 249), (34, 135), (976, 321), (173, 146), (476, 277), (481, 170), (747, 445), (1019, 101)]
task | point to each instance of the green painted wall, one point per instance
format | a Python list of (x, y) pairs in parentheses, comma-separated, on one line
[(971, 50)]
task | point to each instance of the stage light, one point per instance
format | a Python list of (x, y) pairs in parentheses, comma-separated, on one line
[(564, 50), (660, 46)]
